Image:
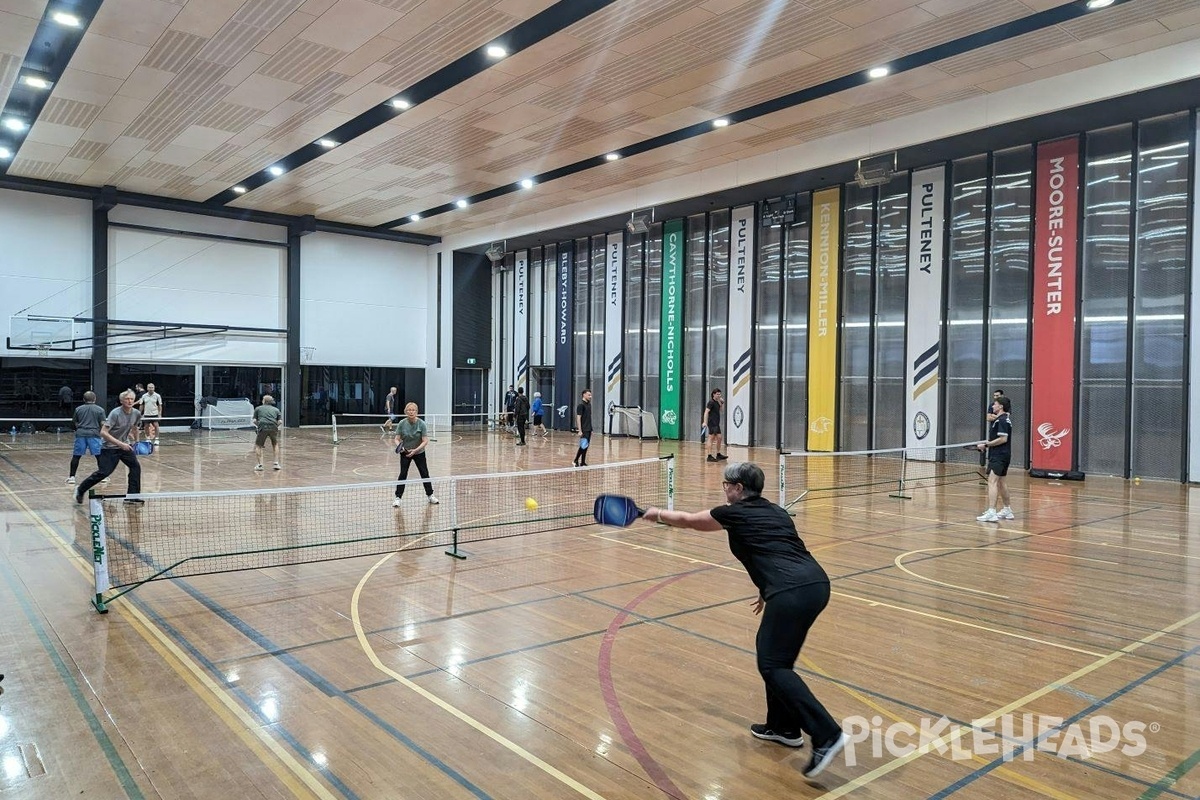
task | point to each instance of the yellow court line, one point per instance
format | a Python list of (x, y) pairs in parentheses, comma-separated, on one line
[(454, 711), (294, 775), (960, 731), (903, 609), (898, 561)]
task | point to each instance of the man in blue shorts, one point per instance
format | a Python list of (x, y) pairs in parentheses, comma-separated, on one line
[(87, 421)]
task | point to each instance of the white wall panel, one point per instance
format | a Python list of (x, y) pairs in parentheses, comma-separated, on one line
[(364, 302), (45, 259), (198, 223)]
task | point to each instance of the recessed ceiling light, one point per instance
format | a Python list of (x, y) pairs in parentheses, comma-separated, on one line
[(720, 123), (1094, 5), (414, 218), (14, 124), (878, 72), (526, 183), (275, 171), (5, 153), (328, 144), (613, 156), (63, 18), (400, 103), (496, 51), (36, 82), (461, 203), (239, 190)]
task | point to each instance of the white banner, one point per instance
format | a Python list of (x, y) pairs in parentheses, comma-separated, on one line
[(537, 341), (614, 320), (521, 320), (741, 326), (926, 256), (1194, 323)]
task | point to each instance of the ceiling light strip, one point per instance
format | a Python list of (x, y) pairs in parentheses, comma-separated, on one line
[(1000, 33), (50, 51), (540, 26)]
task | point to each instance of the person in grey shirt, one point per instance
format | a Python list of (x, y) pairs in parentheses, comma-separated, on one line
[(87, 420), (118, 431)]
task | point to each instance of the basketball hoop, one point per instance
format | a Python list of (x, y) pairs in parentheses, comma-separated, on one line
[(43, 350), (306, 354)]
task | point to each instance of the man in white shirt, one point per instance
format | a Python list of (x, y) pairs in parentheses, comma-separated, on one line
[(152, 412)]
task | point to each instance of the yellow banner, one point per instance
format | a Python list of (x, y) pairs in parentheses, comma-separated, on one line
[(823, 320)]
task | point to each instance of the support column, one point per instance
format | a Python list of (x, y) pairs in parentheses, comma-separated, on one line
[(99, 311), (292, 373)]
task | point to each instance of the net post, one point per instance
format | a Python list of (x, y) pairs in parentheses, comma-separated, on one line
[(670, 481), (99, 551), (454, 552), (333, 418), (899, 493)]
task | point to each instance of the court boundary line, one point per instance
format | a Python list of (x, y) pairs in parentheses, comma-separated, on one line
[(448, 707), (284, 766), (899, 562)]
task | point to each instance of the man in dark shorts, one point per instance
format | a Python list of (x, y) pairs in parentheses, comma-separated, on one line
[(711, 419), (793, 590), (116, 432), (999, 453), (510, 399), (538, 409), (389, 408), (583, 423), (151, 405), (266, 421)]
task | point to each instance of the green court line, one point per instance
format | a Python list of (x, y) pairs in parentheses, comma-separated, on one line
[(110, 751), (1172, 777)]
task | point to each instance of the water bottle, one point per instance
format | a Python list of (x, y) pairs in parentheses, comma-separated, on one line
[(13, 431)]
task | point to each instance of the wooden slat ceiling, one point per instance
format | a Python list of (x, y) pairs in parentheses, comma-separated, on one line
[(184, 98)]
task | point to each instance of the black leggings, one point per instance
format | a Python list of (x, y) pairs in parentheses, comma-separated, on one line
[(422, 467), (791, 705)]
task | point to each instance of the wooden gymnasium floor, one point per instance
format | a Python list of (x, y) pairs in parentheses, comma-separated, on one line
[(598, 663)]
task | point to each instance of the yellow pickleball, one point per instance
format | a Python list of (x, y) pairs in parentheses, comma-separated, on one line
[(531, 504)]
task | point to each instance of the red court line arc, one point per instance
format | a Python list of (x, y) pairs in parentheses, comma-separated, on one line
[(615, 712)]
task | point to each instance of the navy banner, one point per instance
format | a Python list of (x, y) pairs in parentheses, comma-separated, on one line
[(564, 327)]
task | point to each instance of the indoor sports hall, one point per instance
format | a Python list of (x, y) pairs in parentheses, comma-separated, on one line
[(354, 347)]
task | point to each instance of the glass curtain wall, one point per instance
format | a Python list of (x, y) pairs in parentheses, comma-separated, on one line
[(695, 305), (1008, 330), (1104, 291), (583, 296), (1160, 291), (858, 262), (966, 300), (891, 287), (635, 274), (650, 388), (768, 309), (718, 301), (795, 325)]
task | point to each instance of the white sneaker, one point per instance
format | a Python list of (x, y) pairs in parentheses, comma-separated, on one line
[(106, 480), (1006, 513), (71, 479), (276, 466), (156, 442), (396, 503), (258, 468), (433, 501), (989, 516)]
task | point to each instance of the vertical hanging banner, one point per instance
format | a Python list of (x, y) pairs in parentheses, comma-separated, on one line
[(510, 313), (823, 320), (739, 353), (521, 321), (564, 332), (670, 374), (1055, 267), (537, 342), (614, 319), (926, 268)]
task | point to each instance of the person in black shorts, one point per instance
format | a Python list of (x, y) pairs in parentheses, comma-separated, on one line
[(793, 590), (583, 423), (711, 419), (521, 414), (999, 454)]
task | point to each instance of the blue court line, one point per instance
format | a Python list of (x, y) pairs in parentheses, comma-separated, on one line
[(98, 733), (979, 773), (300, 669), (1163, 785)]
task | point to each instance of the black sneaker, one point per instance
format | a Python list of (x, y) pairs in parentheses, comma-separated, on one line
[(712, 459), (788, 739), (822, 757), (722, 457), (78, 498)]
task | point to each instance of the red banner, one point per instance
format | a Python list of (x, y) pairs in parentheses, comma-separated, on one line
[(1055, 266)]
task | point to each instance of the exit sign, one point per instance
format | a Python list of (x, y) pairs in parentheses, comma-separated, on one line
[(470, 361)]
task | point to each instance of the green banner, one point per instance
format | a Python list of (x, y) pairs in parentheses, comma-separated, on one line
[(671, 343)]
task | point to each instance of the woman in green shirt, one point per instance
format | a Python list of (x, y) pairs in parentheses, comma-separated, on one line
[(412, 437)]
